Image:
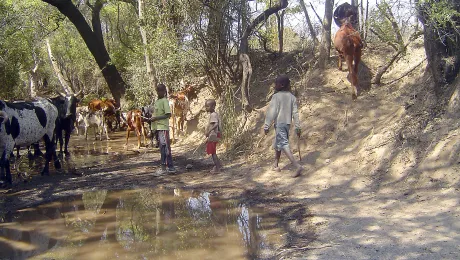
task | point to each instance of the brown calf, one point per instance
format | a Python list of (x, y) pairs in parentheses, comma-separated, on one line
[(135, 123)]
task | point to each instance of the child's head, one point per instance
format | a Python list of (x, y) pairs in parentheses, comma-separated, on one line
[(282, 83), (210, 105), (161, 90)]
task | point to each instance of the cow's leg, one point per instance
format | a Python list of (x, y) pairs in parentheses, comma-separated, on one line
[(143, 133), (352, 77), (5, 173), (37, 151), (104, 127), (86, 132), (50, 153), (357, 59), (340, 61), (138, 133), (59, 138), (127, 136), (67, 138)]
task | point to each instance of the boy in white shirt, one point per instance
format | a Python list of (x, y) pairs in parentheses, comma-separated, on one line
[(283, 110)]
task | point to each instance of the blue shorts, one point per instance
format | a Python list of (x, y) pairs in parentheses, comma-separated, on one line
[(281, 137)]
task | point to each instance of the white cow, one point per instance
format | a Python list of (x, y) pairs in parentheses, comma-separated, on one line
[(92, 119)]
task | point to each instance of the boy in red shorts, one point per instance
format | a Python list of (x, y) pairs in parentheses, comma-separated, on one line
[(213, 133)]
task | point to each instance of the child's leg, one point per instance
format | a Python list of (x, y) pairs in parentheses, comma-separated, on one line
[(277, 158), (289, 154), (216, 161), (169, 160)]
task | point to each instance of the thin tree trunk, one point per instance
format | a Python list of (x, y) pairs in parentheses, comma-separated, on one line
[(355, 3), (309, 24), (244, 50), (325, 47), (280, 21), (150, 68), (57, 70), (33, 76)]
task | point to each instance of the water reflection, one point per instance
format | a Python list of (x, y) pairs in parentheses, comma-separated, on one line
[(140, 224)]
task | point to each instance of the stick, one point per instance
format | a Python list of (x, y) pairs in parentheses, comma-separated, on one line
[(260, 140), (196, 149), (298, 148)]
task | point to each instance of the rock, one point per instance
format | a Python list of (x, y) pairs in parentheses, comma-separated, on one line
[(189, 166)]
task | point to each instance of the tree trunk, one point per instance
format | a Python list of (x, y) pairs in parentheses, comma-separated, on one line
[(355, 3), (33, 76), (92, 40), (325, 47), (309, 24), (244, 50), (150, 68), (57, 70), (280, 20)]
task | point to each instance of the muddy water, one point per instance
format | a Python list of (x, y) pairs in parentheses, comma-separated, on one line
[(140, 224)]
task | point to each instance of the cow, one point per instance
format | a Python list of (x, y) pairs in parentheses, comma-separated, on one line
[(147, 112), (67, 115), (344, 11), (23, 124), (88, 119), (348, 44), (135, 123), (109, 107), (180, 106)]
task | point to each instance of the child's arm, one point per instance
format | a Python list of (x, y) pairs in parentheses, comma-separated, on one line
[(271, 113), (211, 127)]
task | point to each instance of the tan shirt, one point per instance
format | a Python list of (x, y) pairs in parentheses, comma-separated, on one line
[(214, 118), (282, 110)]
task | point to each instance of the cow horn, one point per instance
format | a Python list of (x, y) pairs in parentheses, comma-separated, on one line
[(60, 93), (78, 93), (4, 115)]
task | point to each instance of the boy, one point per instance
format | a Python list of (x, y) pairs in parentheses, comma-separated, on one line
[(213, 133), (161, 118), (282, 109)]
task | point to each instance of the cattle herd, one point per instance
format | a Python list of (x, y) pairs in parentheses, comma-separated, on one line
[(23, 124), (26, 123)]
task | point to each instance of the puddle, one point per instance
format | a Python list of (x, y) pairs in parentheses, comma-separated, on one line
[(140, 224)]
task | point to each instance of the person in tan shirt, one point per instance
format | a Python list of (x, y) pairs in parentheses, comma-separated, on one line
[(282, 111), (213, 133)]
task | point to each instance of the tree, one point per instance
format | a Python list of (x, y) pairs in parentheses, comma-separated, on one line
[(309, 24), (325, 46), (441, 19), (244, 50), (95, 43)]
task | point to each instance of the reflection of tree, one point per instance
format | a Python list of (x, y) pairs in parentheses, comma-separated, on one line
[(150, 224)]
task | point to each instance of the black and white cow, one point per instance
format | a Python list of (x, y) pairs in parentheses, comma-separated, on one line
[(23, 124), (67, 106)]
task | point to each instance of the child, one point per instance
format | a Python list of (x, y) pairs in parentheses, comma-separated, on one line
[(161, 119), (282, 109), (213, 133)]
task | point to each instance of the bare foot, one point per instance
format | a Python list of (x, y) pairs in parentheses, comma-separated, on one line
[(276, 169), (298, 172)]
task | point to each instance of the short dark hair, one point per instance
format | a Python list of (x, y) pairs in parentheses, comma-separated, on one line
[(161, 87), (283, 82), (211, 102)]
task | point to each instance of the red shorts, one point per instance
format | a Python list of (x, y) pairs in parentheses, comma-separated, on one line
[(211, 147)]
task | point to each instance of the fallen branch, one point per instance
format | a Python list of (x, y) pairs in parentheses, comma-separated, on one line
[(406, 73)]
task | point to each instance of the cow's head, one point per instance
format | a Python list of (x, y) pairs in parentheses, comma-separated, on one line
[(70, 105)]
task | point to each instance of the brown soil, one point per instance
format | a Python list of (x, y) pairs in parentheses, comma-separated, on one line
[(381, 179)]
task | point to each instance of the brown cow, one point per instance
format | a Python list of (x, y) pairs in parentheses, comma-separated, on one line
[(179, 105), (135, 123), (348, 43), (108, 106)]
